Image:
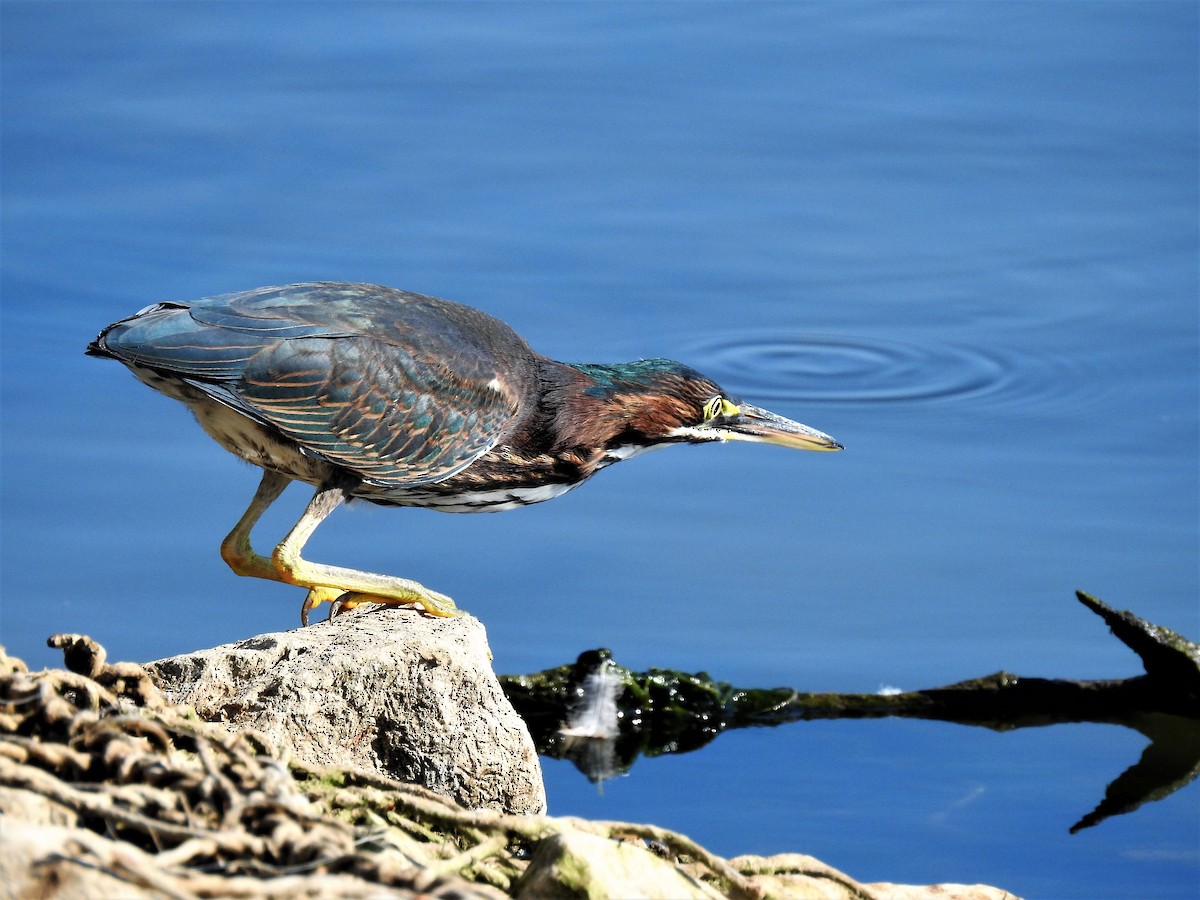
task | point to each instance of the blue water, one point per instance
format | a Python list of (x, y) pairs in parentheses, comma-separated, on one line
[(962, 238)]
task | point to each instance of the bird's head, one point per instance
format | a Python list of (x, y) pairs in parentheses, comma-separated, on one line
[(662, 401)]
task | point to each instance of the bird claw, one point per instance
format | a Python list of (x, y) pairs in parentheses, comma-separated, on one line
[(315, 597), (341, 601)]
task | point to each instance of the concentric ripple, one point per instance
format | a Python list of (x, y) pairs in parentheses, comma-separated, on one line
[(817, 368)]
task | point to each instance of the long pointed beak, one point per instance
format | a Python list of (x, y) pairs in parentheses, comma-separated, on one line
[(761, 426)]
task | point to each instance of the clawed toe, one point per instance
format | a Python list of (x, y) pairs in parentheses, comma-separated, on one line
[(340, 601)]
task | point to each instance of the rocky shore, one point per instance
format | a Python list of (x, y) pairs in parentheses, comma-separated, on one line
[(372, 756)]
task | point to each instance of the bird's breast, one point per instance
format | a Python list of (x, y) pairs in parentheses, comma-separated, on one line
[(506, 477), (463, 501)]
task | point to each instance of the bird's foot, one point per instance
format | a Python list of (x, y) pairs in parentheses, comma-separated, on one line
[(340, 601), (317, 596)]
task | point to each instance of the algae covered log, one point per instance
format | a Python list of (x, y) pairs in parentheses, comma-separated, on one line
[(663, 711)]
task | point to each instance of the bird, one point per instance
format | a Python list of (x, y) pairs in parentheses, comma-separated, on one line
[(372, 393)]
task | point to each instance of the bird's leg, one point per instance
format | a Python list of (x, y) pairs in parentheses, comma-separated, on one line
[(236, 549), (351, 586)]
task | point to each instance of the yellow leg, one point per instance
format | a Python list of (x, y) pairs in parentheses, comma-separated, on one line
[(328, 583), (236, 549)]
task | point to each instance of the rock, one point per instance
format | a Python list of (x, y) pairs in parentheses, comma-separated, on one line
[(40, 861), (798, 876), (575, 865), (381, 688), (940, 892), (33, 808)]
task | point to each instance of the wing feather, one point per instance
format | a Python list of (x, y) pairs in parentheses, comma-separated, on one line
[(388, 416), (399, 388)]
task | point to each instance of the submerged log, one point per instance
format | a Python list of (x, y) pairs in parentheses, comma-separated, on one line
[(662, 711)]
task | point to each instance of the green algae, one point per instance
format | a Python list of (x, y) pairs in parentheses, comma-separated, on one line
[(663, 711)]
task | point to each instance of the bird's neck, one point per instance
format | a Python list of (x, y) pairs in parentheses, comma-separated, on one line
[(577, 420), (594, 406)]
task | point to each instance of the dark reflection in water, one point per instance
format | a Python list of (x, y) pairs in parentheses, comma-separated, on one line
[(1169, 762)]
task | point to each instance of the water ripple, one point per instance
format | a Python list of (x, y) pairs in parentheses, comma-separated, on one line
[(817, 368)]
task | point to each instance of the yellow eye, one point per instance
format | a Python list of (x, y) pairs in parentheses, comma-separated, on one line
[(719, 408)]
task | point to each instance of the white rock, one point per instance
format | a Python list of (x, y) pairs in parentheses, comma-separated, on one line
[(386, 689)]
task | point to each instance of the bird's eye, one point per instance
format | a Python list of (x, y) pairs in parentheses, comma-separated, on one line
[(719, 408)]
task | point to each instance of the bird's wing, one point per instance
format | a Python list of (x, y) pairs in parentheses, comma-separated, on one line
[(390, 414), (396, 391)]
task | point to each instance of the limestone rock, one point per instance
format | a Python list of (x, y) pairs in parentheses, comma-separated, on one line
[(32, 808), (381, 688), (800, 877), (575, 865), (40, 861), (940, 892)]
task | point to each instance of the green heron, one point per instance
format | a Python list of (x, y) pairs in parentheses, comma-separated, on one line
[(406, 400)]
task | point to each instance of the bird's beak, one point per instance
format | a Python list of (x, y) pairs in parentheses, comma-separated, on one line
[(761, 426)]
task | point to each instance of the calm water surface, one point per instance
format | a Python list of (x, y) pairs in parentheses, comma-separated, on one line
[(960, 237)]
